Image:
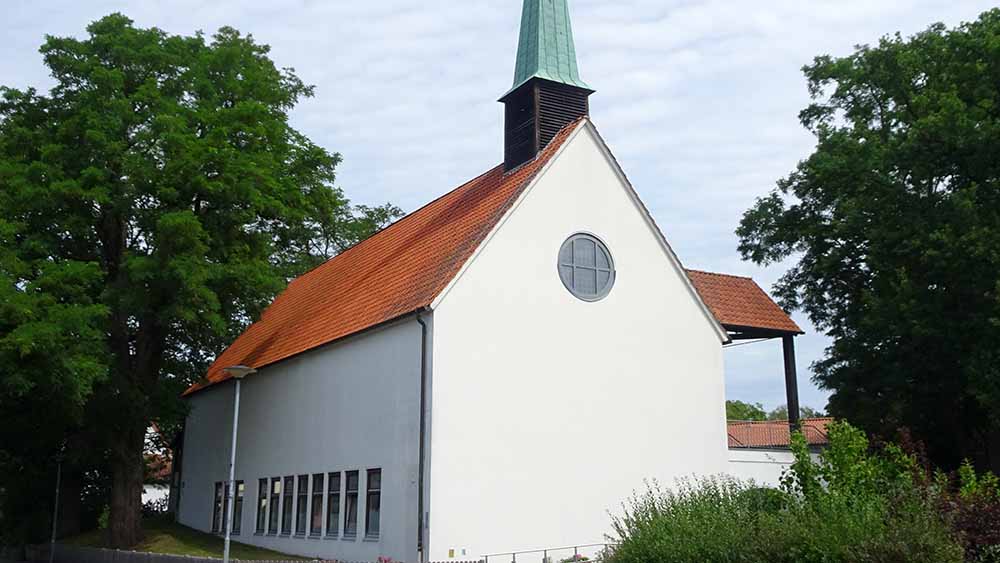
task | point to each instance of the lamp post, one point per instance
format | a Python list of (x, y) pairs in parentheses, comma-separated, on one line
[(238, 373)]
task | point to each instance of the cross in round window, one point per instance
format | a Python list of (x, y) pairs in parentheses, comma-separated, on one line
[(585, 267)]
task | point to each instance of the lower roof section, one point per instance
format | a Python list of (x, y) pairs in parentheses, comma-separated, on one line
[(741, 306), (775, 433)]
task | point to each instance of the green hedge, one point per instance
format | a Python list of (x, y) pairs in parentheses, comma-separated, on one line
[(851, 506)]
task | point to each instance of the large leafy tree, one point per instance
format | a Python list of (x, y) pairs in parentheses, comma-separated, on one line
[(154, 200), (893, 229)]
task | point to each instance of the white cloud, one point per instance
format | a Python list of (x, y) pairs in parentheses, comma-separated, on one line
[(699, 99)]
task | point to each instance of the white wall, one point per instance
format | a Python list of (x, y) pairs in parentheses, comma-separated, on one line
[(762, 466), (549, 411), (347, 406)]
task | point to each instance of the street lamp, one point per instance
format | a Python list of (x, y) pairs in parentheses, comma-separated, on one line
[(238, 373)]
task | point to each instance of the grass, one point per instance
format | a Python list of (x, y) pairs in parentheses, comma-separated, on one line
[(163, 535)]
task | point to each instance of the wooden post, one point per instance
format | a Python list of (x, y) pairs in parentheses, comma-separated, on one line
[(791, 382)]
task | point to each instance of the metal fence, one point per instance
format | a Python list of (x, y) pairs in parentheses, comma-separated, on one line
[(591, 553)]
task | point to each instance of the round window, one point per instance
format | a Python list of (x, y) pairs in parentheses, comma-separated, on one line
[(585, 267)]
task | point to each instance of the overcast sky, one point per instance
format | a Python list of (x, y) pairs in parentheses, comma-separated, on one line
[(697, 99)]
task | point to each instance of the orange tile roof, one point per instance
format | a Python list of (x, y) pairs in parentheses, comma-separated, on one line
[(738, 302), (397, 271), (775, 434)]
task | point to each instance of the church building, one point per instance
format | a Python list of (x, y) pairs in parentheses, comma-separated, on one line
[(493, 372)]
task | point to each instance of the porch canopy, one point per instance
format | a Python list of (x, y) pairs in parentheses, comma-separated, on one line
[(747, 312)]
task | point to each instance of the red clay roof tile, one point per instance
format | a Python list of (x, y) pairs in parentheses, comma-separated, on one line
[(775, 434), (738, 302), (397, 271)]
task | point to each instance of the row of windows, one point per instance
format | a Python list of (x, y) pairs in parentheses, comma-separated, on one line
[(317, 501)]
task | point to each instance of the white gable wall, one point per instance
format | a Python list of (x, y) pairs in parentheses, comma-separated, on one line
[(549, 411)]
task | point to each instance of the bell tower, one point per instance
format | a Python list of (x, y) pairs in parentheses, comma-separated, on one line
[(548, 92)]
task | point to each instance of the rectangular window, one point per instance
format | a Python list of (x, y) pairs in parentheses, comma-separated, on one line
[(286, 506), (272, 526), (333, 504), (238, 509), (217, 509), (225, 508), (373, 503), (351, 505), (316, 520), (301, 498), (261, 506)]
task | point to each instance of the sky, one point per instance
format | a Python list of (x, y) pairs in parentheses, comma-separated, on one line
[(697, 99)]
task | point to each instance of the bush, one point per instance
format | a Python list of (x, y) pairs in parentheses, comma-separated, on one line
[(852, 506)]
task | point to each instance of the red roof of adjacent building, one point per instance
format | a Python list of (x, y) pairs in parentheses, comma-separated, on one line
[(738, 302), (775, 433), (397, 271)]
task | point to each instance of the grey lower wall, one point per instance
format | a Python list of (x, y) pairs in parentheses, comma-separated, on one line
[(349, 406)]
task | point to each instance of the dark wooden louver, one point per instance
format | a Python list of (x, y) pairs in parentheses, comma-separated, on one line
[(534, 113)]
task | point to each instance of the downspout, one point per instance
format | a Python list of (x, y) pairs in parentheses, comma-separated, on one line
[(423, 430)]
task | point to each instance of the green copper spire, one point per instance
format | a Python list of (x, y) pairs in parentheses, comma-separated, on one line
[(545, 48)]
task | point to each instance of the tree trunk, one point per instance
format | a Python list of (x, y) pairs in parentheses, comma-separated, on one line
[(69, 503), (125, 524)]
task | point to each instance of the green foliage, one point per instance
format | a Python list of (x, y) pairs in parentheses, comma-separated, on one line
[(894, 226), (851, 505), (738, 410), (155, 200), (781, 413)]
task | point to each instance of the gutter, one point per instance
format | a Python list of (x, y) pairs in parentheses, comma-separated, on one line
[(423, 432)]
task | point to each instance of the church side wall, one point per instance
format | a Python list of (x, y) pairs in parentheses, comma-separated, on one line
[(548, 410), (351, 406)]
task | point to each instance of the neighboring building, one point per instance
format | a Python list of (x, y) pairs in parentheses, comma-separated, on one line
[(491, 373), (760, 450)]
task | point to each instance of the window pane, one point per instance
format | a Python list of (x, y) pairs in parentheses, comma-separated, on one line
[(333, 505), (351, 515), (286, 506), (238, 509), (301, 500), (373, 503), (602, 280), (566, 254), (261, 505), (217, 509), (272, 527), (583, 252), (602, 260), (586, 281), (351, 505), (225, 509)]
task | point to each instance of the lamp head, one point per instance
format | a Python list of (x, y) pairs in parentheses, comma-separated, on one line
[(239, 371)]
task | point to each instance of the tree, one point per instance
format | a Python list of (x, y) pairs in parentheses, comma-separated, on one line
[(738, 410), (781, 413), (893, 223), (154, 201)]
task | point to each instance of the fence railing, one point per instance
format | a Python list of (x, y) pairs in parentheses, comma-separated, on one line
[(593, 552)]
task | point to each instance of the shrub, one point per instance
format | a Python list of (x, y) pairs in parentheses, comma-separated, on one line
[(974, 512), (853, 505)]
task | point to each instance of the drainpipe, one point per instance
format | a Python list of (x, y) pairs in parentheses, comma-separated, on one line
[(423, 430)]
